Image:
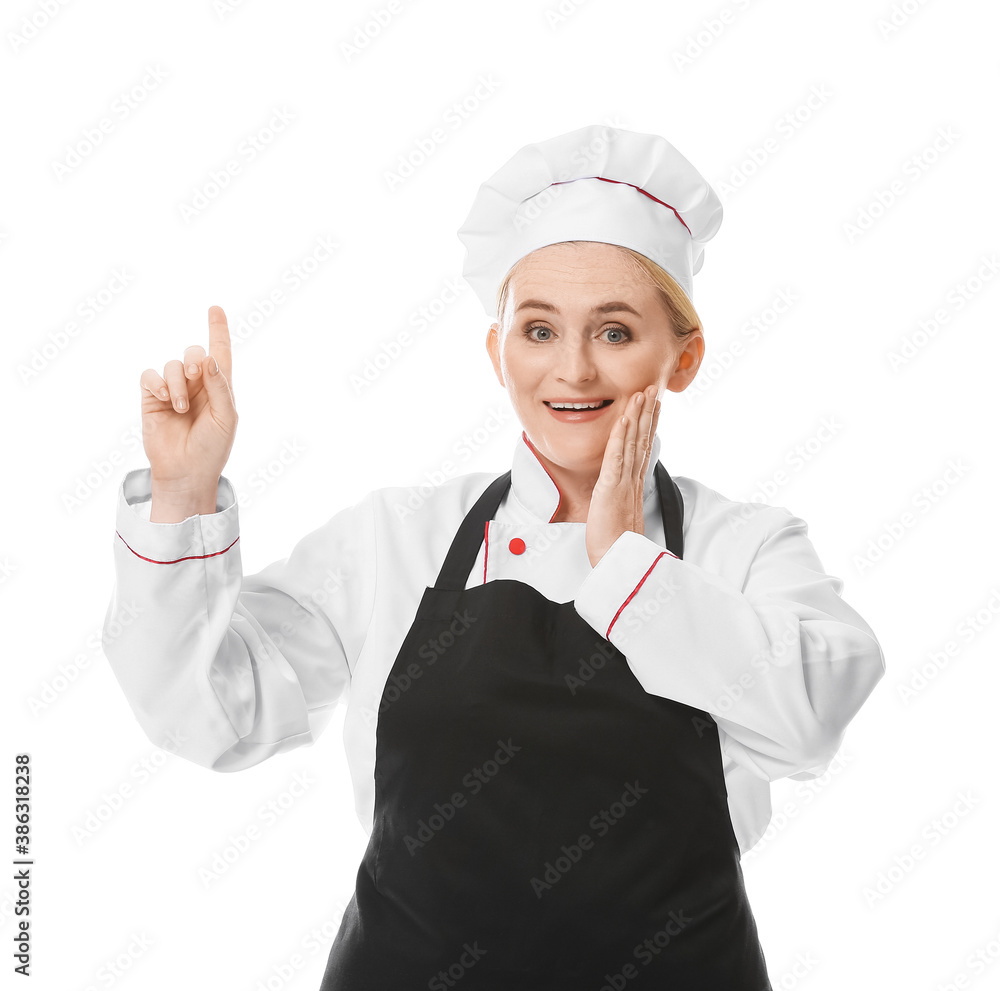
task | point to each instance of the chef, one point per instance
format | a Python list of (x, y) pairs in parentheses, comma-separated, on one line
[(568, 685)]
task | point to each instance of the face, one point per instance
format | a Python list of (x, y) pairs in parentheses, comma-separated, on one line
[(562, 340)]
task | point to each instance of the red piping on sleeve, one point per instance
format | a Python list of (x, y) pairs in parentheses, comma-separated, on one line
[(486, 553), (607, 636), (192, 557)]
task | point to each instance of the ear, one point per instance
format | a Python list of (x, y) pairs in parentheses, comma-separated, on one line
[(493, 346), (688, 362)]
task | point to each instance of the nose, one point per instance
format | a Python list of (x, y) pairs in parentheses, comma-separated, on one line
[(576, 363)]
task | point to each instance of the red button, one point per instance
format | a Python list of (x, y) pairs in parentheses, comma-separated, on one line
[(517, 546)]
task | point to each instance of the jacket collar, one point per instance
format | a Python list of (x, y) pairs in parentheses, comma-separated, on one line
[(534, 488)]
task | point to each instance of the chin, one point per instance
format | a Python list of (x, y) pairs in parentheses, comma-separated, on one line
[(583, 451)]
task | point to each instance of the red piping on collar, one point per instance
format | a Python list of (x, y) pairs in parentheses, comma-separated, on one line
[(531, 447), (546, 470), (621, 182)]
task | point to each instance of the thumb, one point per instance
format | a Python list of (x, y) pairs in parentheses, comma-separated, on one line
[(220, 395)]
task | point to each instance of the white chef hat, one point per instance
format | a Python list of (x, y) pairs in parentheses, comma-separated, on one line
[(597, 183)]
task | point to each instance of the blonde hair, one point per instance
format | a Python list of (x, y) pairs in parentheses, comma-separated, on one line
[(683, 317)]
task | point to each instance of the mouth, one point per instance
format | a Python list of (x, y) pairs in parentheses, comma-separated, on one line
[(580, 405), (581, 411)]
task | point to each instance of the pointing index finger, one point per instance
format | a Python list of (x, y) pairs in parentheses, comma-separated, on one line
[(219, 345)]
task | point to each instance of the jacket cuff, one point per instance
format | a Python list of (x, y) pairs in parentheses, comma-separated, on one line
[(629, 564), (199, 536)]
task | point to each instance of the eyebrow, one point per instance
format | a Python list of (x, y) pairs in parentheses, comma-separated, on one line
[(612, 307)]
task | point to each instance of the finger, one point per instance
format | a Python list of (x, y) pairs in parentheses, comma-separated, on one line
[(193, 357), (649, 449), (219, 345), (631, 432), (173, 375), (152, 385), (647, 432), (628, 443), (644, 437), (611, 465), (220, 395)]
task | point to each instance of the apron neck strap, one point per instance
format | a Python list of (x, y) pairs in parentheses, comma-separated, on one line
[(464, 548)]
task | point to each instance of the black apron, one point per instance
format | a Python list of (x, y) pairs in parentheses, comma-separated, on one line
[(541, 821)]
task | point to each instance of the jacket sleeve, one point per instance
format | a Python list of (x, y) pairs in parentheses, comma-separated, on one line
[(782, 663), (226, 670)]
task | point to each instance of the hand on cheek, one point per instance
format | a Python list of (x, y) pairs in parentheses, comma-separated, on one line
[(616, 504)]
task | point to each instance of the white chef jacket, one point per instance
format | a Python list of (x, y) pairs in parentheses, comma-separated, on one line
[(226, 670)]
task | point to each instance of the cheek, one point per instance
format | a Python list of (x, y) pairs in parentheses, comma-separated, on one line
[(658, 369), (517, 371)]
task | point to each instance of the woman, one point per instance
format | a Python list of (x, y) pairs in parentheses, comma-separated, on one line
[(570, 684)]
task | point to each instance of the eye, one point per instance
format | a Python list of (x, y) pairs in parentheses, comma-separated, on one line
[(617, 330), (624, 333)]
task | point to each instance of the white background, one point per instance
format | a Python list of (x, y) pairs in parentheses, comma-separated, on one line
[(124, 878)]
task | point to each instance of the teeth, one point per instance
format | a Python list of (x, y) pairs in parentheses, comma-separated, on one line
[(600, 402)]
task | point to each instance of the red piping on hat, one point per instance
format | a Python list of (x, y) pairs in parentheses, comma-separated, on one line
[(643, 191)]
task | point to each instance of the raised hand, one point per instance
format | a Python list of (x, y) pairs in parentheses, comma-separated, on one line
[(189, 420), (616, 503)]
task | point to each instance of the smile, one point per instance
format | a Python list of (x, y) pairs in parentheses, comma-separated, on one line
[(584, 404), (570, 412)]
